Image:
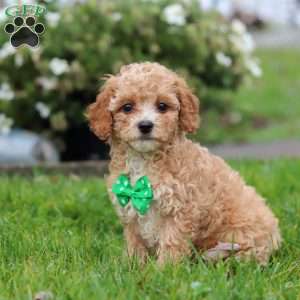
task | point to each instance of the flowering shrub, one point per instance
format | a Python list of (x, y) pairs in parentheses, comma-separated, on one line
[(47, 89)]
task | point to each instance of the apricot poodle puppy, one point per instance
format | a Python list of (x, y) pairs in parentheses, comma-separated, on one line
[(171, 194)]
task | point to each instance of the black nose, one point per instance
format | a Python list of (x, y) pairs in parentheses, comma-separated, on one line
[(145, 126)]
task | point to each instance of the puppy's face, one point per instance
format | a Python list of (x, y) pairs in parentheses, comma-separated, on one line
[(145, 106), (145, 116)]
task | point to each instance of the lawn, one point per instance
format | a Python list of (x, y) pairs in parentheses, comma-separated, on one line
[(60, 234), (266, 109)]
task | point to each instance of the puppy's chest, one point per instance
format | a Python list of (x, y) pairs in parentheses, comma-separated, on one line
[(149, 224)]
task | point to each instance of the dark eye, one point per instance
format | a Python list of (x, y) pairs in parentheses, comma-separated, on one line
[(127, 107), (162, 107)]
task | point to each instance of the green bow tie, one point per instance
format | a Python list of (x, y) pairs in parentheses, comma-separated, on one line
[(141, 194)]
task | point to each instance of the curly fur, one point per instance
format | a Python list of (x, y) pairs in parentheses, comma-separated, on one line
[(198, 199)]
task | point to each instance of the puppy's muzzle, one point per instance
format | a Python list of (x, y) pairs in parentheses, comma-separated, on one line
[(145, 127)]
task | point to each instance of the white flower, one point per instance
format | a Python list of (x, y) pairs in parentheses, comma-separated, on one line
[(238, 27), (253, 67), (174, 14), (58, 66), (116, 16), (6, 93), (3, 16), (19, 60), (243, 43), (5, 124), (223, 59), (43, 109), (47, 83), (6, 50), (206, 5), (36, 54), (52, 18), (248, 42)]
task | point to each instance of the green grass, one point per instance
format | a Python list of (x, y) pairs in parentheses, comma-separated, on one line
[(61, 234), (269, 106), (275, 96)]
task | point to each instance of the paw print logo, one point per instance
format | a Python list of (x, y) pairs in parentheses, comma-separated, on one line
[(24, 31)]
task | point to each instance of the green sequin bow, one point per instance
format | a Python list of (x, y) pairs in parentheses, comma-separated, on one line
[(141, 194)]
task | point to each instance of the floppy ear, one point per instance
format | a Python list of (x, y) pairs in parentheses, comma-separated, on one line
[(98, 114), (189, 107)]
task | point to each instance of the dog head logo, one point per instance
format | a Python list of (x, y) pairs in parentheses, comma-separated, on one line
[(24, 29)]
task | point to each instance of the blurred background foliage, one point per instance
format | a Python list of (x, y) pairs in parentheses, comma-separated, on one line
[(47, 89)]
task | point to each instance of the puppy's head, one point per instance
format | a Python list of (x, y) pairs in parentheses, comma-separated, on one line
[(145, 105)]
